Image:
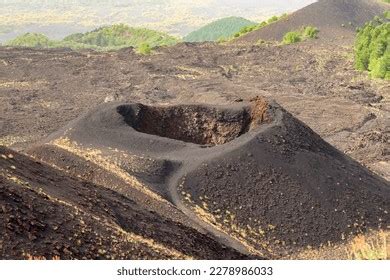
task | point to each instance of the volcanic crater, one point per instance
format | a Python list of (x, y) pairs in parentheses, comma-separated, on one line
[(198, 124)]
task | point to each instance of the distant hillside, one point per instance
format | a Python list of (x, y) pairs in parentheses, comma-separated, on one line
[(222, 28), (31, 40), (336, 19), (105, 38), (121, 35)]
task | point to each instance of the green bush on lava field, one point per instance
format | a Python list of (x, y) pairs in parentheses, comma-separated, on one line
[(292, 37), (372, 48), (308, 32), (144, 49)]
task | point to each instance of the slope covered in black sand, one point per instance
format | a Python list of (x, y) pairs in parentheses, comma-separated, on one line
[(249, 174), (59, 85), (47, 214), (337, 20)]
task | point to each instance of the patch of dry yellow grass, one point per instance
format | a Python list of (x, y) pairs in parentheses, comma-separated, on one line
[(190, 73), (127, 236), (223, 222), (22, 85), (8, 141), (95, 156), (373, 247), (40, 258)]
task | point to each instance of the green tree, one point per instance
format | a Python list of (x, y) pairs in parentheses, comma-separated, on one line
[(372, 48), (225, 27)]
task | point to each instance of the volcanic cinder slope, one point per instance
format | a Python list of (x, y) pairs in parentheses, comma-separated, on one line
[(213, 179), (250, 174), (337, 20), (47, 214)]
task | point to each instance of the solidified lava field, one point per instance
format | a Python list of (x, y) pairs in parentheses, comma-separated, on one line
[(236, 150)]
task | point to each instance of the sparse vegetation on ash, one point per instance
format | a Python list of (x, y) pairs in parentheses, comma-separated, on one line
[(308, 32), (251, 28)]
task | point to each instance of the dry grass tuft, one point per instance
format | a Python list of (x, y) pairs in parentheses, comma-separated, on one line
[(375, 247), (96, 156), (22, 85), (8, 141), (41, 258)]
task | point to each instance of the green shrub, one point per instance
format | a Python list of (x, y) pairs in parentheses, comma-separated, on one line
[(272, 19), (262, 24), (245, 30), (251, 28), (292, 37), (310, 32), (144, 49), (372, 48)]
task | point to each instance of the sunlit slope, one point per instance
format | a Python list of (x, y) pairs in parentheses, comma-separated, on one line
[(337, 20)]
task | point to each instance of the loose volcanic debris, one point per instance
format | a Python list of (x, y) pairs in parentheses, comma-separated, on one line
[(336, 20), (250, 174), (46, 214), (141, 177)]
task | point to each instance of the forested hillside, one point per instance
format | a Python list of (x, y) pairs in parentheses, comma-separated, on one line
[(105, 38), (220, 29)]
